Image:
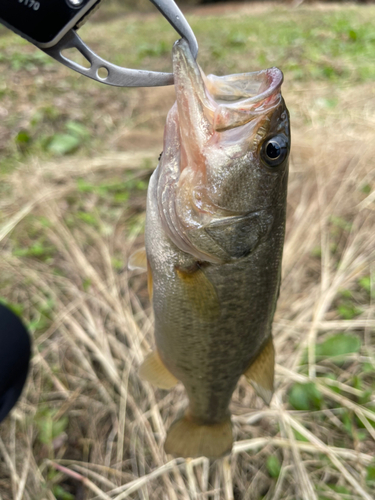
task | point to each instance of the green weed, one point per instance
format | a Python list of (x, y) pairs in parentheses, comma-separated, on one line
[(49, 426), (273, 466), (305, 397), (339, 345)]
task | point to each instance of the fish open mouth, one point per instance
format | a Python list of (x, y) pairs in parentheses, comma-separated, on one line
[(226, 101)]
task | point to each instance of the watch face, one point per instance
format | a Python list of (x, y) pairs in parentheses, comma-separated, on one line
[(43, 22)]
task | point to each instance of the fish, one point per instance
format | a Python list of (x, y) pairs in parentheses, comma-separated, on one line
[(214, 235)]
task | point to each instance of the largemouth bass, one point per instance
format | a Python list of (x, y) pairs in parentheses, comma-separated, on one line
[(214, 239)]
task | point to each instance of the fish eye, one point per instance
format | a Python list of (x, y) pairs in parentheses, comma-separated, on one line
[(274, 151)]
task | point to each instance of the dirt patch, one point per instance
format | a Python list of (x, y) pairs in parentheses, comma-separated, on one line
[(139, 140)]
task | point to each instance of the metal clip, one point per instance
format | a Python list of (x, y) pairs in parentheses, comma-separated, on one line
[(116, 75)]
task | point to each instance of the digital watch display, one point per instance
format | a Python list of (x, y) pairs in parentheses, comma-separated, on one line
[(43, 22)]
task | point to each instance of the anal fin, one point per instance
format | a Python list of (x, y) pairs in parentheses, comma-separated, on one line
[(154, 371), (189, 438), (260, 373)]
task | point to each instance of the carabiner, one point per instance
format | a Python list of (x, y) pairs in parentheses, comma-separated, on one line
[(116, 75)]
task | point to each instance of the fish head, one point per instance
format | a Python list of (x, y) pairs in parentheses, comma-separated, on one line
[(226, 149)]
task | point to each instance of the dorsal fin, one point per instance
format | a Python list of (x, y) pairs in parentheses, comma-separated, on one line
[(138, 260)]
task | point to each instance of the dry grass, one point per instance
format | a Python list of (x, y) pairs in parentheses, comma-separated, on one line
[(97, 328), (89, 427)]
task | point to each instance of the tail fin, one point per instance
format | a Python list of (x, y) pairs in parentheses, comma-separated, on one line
[(189, 439)]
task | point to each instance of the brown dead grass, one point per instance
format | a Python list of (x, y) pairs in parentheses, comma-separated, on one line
[(98, 327)]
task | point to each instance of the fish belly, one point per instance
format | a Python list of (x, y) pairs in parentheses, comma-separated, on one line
[(208, 353)]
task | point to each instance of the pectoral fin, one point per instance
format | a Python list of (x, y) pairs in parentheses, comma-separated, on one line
[(138, 260), (153, 370), (200, 293), (260, 373)]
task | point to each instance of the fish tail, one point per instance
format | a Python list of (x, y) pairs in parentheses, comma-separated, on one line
[(189, 438)]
